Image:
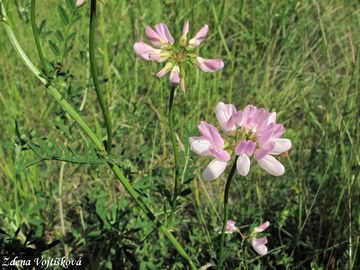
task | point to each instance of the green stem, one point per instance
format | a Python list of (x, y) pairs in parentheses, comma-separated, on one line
[(175, 151), (16, 45), (225, 219), (94, 73), (36, 37), (100, 148)]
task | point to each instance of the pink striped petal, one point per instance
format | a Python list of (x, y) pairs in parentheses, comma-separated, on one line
[(154, 38), (260, 116), (237, 118), (164, 32), (164, 70), (219, 153), (264, 150), (143, 50), (211, 133), (247, 114), (209, 65), (224, 114), (246, 147), (159, 55), (175, 75), (185, 30), (265, 136), (278, 130), (271, 165), (199, 37), (262, 227), (214, 169)]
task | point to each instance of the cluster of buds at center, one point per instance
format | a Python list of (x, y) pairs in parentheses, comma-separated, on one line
[(176, 56)]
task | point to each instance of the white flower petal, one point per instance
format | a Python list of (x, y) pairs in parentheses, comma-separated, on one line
[(214, 169), (243, 164), (272, 117), (271, 165), (258, 245), (224, 113), (281, 145), (200, 145)]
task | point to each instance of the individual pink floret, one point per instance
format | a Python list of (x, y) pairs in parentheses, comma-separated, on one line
[(259, 244), (210, 144), (230, 226)]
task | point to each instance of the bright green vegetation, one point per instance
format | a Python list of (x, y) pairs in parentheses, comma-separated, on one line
[(299, 59)]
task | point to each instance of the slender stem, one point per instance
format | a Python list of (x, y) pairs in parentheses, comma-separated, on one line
[(175, 151), (226, 200), (100, 148), (99, 92), (36, 37), (16, 45)]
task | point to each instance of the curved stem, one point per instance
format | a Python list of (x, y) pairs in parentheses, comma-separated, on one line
[(175, 151), (226, 200), (36, 37), (16, 45), (99, 146), (104, 107)]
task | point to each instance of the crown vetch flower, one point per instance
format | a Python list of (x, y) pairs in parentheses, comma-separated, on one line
[(251, 132), (259, 244), (177, 55), (230, 226)]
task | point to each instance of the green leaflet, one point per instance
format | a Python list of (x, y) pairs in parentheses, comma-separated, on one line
[(51, 149)]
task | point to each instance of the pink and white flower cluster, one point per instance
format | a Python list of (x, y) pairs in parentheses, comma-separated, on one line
[(258, 244), (251, 132), (177, 55)]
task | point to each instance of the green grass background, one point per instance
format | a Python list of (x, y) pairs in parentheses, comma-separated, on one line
[(298, 58)]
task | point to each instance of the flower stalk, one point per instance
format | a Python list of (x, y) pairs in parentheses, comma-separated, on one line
[(226, 214), (94, 73), (98, 144), (175, 151)]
